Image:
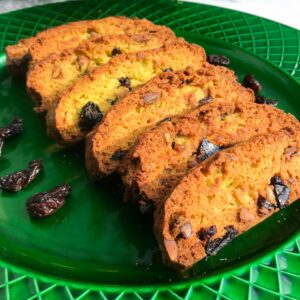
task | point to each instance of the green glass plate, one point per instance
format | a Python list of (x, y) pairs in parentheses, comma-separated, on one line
[(96, 247)]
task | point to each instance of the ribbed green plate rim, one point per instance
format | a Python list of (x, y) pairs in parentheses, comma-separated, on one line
[(274, 42)]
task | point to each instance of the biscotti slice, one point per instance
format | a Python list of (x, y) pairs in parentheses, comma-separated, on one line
[(49, 77), (56, 39), (93, 94), (227, 195), (163, 155), (169, 94)]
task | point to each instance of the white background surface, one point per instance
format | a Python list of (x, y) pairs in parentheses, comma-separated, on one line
[(283, 11)]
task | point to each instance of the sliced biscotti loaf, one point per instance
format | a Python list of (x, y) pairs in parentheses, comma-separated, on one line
[(95, 93), (169, 94), (227, 195), (164, 154), (49, 77), (70, 35)]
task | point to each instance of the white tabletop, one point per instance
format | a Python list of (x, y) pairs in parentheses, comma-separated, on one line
[(283, 11)]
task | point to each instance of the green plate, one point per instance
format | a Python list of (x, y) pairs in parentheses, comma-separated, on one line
[(96, 247)]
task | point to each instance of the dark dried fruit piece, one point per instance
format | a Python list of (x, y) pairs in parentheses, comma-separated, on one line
[(281, 191), (205, 100), (206, 233), (90, 115), (188, 81), (150, 97), (26, 59), (18, 180), (14, 128), (114, 101), (118, 155), (205, 150), (264, 206), (23, 61), (263, 100), (252, 83), (212, 247), (116, 51), (146, 207), (168, 70), (47, 203), (168, 119), (220, 60), (125, 81), (276, 180)]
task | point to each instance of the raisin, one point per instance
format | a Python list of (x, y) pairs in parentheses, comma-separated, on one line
[(252, 83), (221, 60), (276, 180), (188, 81), (114, 101), (146, 207), (13, 129), (168, 70), (118, 155), (204, 234), (18, 180), (168, 119), (281, 191), (205, 100), (205, 150), (264, 206), (90, 115), (16, 62), (116, 51), (125, 81), (26, 59), (263, 100), (213, 246), (47, 203)]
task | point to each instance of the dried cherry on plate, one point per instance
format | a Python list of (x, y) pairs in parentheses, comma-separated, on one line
[(18, 180), (47, 203), (14, 128)]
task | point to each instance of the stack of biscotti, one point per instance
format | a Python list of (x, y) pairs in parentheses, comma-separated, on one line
[(169, 94), (228, 194), (57, 39), (73, 115), (48, 78), (164, 154), (188, 140)]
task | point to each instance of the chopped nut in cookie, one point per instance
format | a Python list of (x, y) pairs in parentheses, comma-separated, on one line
[(150, 97), (245, 216), (171, 248), (57, 72)]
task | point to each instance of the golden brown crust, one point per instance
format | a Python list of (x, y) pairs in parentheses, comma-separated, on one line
[(48, 78), (103, 84), (57, 39), (155, 166), (169, 94), (223, 192)]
